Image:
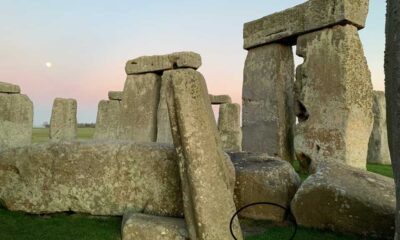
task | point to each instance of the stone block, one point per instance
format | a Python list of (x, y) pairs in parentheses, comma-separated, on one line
[(63, 122)]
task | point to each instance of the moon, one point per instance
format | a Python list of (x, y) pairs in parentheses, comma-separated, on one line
[(49, 64)]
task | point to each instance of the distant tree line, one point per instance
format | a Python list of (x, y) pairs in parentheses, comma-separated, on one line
[(80, 125)]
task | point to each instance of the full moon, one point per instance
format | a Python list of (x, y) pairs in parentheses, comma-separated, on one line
[(49, 64)]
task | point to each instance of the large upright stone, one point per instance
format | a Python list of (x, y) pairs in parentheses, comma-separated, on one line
[(16, 120), (9, 88), (164, 134), (334, 98), (378, 149), (63, 122), (307, 17), (268, 116), (229, 127), (205, 170), (108, 119), (139, 108)]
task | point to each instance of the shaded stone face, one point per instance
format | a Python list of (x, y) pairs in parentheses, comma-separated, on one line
[(63, 122), (378, 148), (268, 116), (333, 98), (115, 95), (164, 134), (108, 120), (9, 88), (229, 127)]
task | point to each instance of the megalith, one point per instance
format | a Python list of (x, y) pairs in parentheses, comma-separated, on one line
[(115, 95), (108, 118), (63, 122), (229, 127)]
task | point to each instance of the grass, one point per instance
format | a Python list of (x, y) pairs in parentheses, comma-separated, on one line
[(41, 135)]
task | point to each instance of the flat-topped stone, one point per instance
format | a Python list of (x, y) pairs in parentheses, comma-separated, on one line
[(157, 63), (309, 16), (220, 99), (63, 122), (115, 95), (9, 88)]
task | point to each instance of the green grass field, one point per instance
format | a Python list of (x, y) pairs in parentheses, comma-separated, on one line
[(20, 226)]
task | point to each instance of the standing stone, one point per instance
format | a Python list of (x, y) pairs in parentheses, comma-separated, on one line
[(206, 172), (115, 95), (63, 123), (139, 108), (268, 116), (164, 134), (220, 99), (9, 88), (334, 98), (378, 149), (16, 120), (108, 118), (229, 127)]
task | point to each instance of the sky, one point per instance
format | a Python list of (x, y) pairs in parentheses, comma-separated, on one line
[(78, 49)]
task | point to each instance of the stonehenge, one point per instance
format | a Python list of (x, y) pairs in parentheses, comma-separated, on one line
[(107, 121), (229, 127), (63, 122)]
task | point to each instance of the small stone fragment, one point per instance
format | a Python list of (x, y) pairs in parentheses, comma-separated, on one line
[(63, 122), (9, 88), (220, 99), (115, 95)]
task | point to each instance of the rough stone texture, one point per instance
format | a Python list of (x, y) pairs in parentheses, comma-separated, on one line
[(334, 98), (164, 134), (260, 178), (205, 170), (345, 199), (16, 120), (139, 226), (159, 63), (108, 118), (115, 95), (220, 99), (9, 88), (139, 108), (100, 178), (229, 127), (63, 122), (378, 147), (268, 117), (309, 16)]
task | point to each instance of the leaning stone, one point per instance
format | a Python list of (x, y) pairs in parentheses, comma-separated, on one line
[(378, 148), (9, 88), (220, 99), (137, 226), (268, 115), (159, 63), (16, 120), (164, 134), (99, 178), (139, 108), (63, 122), (229, 127), (307, 17), (334, 98), (115, 95), (260, 178), (204, 169), (345, 199), (108, 118)]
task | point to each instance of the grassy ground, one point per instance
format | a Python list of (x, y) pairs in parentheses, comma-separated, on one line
[(40, 135)]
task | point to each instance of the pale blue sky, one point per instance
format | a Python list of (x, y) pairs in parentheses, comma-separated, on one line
[(89, 41)]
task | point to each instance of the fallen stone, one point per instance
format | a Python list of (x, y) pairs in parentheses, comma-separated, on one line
[(63, 122), (229, 127), (333, 92), (99, 178), (260, 178), (205, 170), (137, 226), (378, 147), (139, 108), (307, 17), (115, 95), (268, 114), (164, 134), (16, 120), (345, 199), (108, 119), (220, 99), (159, 63), (9, 88)]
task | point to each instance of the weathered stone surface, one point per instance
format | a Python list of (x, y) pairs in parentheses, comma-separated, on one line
[(309, 16), (100, 178), (378, 147), (16, 120), (139, 108), (334, 98), (260, 178), (220, 99), (63, 122), (108, 119), (140, 226), (164, 134), (159, 63), (268, 117), (115, 95), (205, 170), (345, 199), (9, 88), (229, 127)]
